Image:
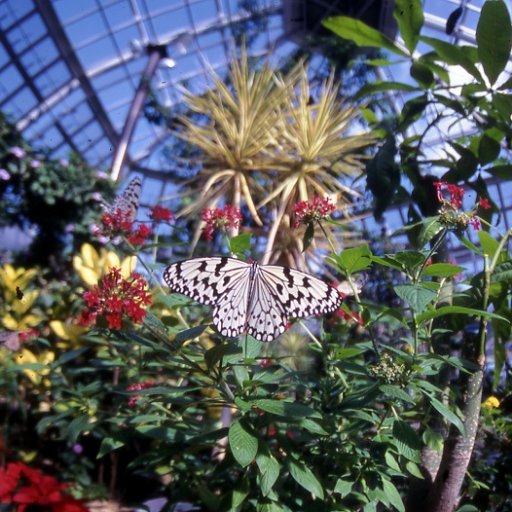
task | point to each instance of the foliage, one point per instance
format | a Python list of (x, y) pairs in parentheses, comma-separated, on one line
[(265, 145), (338, 413), (462, 88), (57, 199)]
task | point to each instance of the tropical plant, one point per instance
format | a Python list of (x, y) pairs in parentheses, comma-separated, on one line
[(266, 145), (475, 106)]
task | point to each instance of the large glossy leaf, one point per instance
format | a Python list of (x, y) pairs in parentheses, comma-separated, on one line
[(243, 444), (409, 15), (305, 478), (361, 34), (406, 440), (494, 38), (416, 296), (453, 55)]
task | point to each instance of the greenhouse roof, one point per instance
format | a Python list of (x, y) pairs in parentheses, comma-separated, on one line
[(70, 70)]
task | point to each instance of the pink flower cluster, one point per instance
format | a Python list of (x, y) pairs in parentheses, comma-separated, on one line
[(308, 212), (220, 219), (121, 223), (451, 198)]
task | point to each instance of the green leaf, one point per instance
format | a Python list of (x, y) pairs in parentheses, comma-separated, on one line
[(409, 16), (269, 469), (489, 244), (240, 492), (433, 439), (391, 461), (468, 508), (285, 409), (312, 426), (382, 86), (383, 176), (494, 38), (447, 414), (354, 259), (109, 444), (309, 236), (240, 244), (343, 487), (77, 426), (453, 55), (488, 149), (442, 270), (165, 434), (392, 495), (456, 310), (414, 470), (396, 392), (416, 296), (503, 273), (215, 354), (406, 440), (189, 334), (243, 444), (305, 478), (422, 74), (431, 227), (361, 34), (504, 172)]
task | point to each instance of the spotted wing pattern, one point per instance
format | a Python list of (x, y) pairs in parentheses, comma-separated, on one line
[(127, 201), (281, 293), (250, 297)]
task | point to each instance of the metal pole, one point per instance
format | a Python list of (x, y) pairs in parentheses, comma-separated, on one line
[(155, 54)]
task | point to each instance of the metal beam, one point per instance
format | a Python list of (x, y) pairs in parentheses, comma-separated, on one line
[(49, 16), (30, 84), (156, 53)]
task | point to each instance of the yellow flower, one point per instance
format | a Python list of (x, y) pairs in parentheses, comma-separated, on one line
[(491, 403), (91, 266), (40, 362)]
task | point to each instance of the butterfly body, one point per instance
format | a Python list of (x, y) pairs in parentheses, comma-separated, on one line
[(253, 298)]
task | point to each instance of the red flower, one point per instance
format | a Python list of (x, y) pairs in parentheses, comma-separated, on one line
[(138, 237), (456, 194), (307, 212), (484, 203), (160, 213), (117, 223), (25, 486), (8, 482), (132, 401), (116, 297), (475, 222), (220, 219)]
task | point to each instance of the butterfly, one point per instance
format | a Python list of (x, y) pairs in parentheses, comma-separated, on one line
[(127, 202), (252, 298)]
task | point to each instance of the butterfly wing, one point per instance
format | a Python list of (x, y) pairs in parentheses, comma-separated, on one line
[(281, 293), (220, 282), (266, 318), (128, 201)]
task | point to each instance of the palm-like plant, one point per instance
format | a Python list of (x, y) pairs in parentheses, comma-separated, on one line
[(311, 154), (238, 131), (267, 146)]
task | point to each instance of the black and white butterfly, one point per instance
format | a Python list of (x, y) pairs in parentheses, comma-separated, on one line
[(253, 298), (127, 202)]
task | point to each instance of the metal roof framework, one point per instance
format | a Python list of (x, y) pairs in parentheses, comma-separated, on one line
[(69, 70)]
